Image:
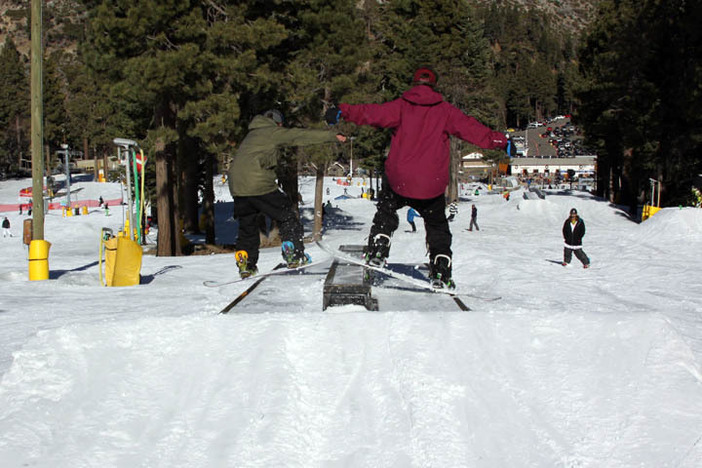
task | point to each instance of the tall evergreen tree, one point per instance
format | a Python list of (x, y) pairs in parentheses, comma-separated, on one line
[(641, 64), (14, 106), (329, 43), (55, 115), (448, 36), (161, 58), (531, 57)]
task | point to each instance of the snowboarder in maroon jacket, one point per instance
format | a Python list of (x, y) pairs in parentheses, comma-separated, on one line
[(417, 166)]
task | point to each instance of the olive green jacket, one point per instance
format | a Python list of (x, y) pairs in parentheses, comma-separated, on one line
[(252, 171)]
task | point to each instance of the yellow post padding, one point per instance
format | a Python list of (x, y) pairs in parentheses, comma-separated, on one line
[(649, 211), (127, 263), (39, 260), (110, 255)]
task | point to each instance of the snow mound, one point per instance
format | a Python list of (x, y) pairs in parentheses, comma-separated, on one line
[(544, 210), (259, 379), (674, 224)]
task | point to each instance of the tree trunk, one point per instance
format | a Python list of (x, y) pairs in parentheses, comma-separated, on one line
[(189, 162), (208, 210), (318, 202), (454, 164), (166, 235), (18, 133), (287, 177), (105, 164), (177, 213)]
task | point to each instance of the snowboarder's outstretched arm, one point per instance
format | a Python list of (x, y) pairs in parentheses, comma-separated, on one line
[(386, 115), (468, 128)]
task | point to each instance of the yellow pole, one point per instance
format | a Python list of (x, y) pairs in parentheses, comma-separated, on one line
[(39, 260)]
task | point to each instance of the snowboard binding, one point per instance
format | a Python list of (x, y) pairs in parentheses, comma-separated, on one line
[(440, 273), (242, 262), (293, 257)]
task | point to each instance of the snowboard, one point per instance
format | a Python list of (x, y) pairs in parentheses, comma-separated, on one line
[(420, 283), (279, 269)]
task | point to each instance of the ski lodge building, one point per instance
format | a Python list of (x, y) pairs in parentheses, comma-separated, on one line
[(584, 166)]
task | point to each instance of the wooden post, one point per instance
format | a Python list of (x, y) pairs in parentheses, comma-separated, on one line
[(37, 129)]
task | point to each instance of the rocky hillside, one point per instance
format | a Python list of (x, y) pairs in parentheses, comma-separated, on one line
[(63, 18), (570, 16), (62, 22)]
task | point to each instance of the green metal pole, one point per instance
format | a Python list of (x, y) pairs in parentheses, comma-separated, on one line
[(37, 113), (137, 205)]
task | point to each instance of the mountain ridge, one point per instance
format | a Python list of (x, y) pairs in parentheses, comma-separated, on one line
[(63, 19)]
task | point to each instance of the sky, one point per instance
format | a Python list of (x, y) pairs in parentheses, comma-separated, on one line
[(572, 367)]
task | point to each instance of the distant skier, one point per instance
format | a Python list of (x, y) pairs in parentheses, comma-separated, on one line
[(6, 228), (573, 233), (453, 210), (326, 210), (474, 219), (411, 214), (417, 166), (252, 183)]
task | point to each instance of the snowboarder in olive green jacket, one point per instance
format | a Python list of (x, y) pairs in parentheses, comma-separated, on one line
[(252, 183)]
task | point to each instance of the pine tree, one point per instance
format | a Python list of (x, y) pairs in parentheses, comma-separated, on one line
[(14, 106), (447, 36), (55, 115), (641, 68), (170, 66), (329, 40)]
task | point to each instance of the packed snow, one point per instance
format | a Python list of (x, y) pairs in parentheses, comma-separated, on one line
[(572, 367)]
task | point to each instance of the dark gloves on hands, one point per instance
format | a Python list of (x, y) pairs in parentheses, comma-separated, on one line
[(511, 148), (332, 115), (505, 142)]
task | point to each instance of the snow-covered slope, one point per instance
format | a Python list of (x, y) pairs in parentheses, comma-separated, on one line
[(572, 367)]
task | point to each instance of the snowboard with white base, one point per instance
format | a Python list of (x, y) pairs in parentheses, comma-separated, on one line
[(279, 269), (420, 283)]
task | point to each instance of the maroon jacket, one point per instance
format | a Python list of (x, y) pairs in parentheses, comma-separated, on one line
[(418, 163)]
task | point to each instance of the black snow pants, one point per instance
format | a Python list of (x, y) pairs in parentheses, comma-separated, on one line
[(433, 211), (275, 205), (568, 255)]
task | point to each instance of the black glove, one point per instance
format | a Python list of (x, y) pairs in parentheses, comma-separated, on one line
[(332, 115), (511, 148)]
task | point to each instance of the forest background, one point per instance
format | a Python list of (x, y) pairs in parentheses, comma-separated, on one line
[(184, 78)]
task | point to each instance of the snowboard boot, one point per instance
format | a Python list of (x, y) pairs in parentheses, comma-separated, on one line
[(242, 262), (440, 273), (378, 250), (294, 258)]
